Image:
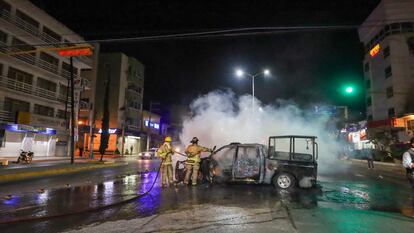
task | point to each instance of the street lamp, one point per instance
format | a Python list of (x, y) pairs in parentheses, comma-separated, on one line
[(240, 73)]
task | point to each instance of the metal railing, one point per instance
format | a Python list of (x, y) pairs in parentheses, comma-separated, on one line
[(48, 66), (50, 40), (6, 116), (52, 68), (19, 22), (34, 31), (27, 88)]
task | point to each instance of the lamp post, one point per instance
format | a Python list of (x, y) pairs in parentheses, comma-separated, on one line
[(240, 73)]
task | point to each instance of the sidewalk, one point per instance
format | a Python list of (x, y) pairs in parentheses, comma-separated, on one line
[(51, 167)]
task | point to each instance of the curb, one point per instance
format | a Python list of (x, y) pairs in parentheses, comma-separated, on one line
[(56, 171), (376, 162)]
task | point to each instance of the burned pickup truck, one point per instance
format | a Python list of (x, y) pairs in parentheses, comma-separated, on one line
[(287, 162)]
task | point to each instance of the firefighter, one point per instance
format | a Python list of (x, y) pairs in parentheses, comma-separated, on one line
[(192, 164), (165, 152)]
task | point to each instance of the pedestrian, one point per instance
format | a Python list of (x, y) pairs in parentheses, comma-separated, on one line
[(165, 152), (192, 164), (132, 149), (80, 150), (370, 159), (408, 163)]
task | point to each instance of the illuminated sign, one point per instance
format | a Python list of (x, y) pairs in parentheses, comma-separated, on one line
[(152, 125), (375, 50), (27, 128), (75, 52), (110, 131)]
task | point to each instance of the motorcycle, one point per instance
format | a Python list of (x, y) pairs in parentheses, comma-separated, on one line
[(25, 156)]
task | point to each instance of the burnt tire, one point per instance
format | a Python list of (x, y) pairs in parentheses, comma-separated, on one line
[(284, 181)]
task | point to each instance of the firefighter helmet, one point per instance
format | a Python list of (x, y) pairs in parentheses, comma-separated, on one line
[(194, 140), (167, 139)]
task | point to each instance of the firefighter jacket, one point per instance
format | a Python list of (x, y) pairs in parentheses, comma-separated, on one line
[(165, 152), (194, 152)]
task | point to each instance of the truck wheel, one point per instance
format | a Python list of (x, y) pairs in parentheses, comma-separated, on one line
[(284, 181)]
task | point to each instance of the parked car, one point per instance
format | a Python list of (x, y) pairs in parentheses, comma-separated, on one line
[(149, 154), (287, 162)]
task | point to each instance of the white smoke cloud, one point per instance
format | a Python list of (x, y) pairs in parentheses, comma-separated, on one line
[(220, 117)]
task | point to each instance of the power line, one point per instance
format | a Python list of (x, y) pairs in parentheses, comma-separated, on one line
[(204, 34), (236, 32)]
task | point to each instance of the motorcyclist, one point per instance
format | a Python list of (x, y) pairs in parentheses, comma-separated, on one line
[(165, 152), (192, 163)]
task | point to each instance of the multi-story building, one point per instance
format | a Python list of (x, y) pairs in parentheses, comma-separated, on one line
[(388, 38), (34, 86), (125, 76)]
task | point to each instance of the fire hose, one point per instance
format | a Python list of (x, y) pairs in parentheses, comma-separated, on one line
[(99, 208)]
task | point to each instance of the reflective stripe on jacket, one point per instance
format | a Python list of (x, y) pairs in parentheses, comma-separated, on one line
[(165, 152), (194, 153)]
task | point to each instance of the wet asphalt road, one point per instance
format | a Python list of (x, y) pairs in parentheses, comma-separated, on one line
[(353, 199)]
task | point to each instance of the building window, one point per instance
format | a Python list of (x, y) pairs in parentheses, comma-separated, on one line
[(366, 67), (63, 90), (46, 84), (13, 105), (369, 118), (20, 76), (4, 6), (3, 37), (390, 92), (43, 110), (49, 59), (388, 72), (410, 125), (391, 112), (369, 101), (386, 52), (19, 46), (61, 114), (368, 83), (410, 42), (407, 27), (66, 67), (27, 20), (51, 33)]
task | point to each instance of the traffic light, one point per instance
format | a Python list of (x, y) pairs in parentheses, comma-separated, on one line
[(349, 89)]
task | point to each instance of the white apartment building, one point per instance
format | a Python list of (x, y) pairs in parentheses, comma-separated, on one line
[(33, 87), (388, 38), (126, 93)]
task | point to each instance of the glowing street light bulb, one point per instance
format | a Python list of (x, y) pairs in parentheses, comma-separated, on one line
[(266, 72), (239, 73), (349, 90)]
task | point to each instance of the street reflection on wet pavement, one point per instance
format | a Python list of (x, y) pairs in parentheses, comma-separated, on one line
[(333, 193)]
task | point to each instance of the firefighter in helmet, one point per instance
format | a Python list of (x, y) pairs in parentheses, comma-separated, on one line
[(165, 152), (192, 163)]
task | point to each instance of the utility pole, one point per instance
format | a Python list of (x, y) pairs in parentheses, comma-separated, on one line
[(123, 125), (149, 126), (72, 112), (73, 52)]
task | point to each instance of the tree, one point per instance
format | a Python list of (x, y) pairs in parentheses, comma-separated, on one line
[(105, 118)]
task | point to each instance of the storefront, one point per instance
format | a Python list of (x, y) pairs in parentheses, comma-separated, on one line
[(16, 137), (356, 135)]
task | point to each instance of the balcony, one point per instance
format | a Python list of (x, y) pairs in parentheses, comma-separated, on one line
[(35, 33), (6, 116), (44, 65), (48, 66), (26, 88), (20, 23)]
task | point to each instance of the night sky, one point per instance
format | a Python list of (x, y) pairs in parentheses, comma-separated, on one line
[(307, 67)]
